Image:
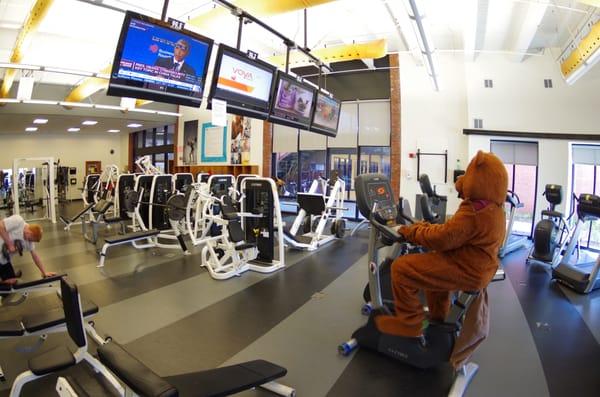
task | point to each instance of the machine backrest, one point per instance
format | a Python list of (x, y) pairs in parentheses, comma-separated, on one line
[(427, 211), (182, 180), (425, 184), (72, 310), (313, 204)]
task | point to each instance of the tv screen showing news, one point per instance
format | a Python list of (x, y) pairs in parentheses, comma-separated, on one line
[(245, 84), (292, 103), (156, 62), (327, 115)]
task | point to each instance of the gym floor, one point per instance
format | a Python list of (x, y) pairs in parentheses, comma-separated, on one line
[(169, 313)]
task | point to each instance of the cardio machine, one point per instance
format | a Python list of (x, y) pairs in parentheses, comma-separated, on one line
[(512, 242), (552, 232), (581, 277), (374, 200)]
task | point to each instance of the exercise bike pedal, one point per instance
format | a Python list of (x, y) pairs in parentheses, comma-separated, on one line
[(366, 309), (348, 347)]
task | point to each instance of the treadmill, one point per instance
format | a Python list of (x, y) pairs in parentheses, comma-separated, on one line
[(581, 277), (512, 242)]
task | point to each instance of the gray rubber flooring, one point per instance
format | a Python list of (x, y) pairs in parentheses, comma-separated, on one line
[(168, 312)]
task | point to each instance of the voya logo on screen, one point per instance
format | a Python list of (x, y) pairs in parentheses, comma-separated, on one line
[(241, 74)]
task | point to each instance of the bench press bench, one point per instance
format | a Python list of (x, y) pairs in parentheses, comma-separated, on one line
[(127, 238)]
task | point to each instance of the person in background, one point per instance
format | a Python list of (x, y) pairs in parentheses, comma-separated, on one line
[(15, 228)]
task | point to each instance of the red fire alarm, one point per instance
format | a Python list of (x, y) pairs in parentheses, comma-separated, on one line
[(412, 155)]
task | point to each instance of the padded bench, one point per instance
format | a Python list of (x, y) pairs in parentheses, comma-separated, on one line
[(124, 239)]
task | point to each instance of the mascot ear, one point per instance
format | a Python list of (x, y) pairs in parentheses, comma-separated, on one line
[(479, 158)]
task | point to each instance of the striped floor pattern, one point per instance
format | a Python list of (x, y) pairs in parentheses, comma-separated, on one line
[(168, 312)]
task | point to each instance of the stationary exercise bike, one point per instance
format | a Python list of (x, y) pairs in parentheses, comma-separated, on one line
[(552, 232), (375, 201)]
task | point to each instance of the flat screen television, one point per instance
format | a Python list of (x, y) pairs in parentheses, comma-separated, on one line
[(326, 116), (156, 62), (292, 102), (246, 84)]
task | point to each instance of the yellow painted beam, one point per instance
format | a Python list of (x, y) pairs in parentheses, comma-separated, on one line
[(595, 3), (587, 46), (258, 8), (33, 21), (142, 102), (88, 87), (370, 50)]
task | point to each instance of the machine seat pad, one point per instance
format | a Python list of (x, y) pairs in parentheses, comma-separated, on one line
[(53, 360), (133, 373), (227, 380), (131, 236), (40, 281), (113, 219), (5, 287), (11, 328), (50, 318), (244, 246)]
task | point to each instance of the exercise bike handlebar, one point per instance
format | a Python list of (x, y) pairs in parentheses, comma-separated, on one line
[(389, 234)]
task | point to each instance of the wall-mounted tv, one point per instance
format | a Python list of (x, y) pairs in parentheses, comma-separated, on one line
[(326, 116), (292, 103), (246, 84), (156, 62)]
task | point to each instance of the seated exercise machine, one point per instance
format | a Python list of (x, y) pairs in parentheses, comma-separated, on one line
[(581, 277), (374, 200), (181, 180), (551, 233), (247, 239), (512, 242), (316, 210), (117, 366), (430, 206)]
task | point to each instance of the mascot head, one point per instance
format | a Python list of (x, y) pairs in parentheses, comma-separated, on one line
[(485, 179)]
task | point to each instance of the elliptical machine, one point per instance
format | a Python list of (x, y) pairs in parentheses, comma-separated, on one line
[(375, 201), (512, 242), (551, 233)]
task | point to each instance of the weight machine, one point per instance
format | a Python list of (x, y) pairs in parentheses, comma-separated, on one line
[(48, 190)]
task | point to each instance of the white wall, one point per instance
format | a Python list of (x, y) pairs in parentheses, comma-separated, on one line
[(72, 150), (433, 122), (204, 116)]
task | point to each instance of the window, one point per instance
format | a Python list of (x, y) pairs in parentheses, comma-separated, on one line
[(345, 161), (149, 138), (585, 179), (312, 166), (375, 159), (286, 169), (159, 136), (158, 143), (521, 162), (170, 134)]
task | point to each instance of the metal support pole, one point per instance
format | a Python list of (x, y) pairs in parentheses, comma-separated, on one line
[(164, 10), (287, 59), (305, 24), (239, 38)]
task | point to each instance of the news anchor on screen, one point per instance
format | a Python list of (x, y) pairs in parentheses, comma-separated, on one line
[(177, 61)]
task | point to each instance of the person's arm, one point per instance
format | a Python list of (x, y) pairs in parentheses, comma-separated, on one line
[(6, 237), (450, 235), (40, 265)]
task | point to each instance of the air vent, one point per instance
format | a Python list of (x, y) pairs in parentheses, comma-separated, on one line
[(488, 83), (478, 123), (547, 83)]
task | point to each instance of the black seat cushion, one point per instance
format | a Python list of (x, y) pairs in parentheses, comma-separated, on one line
[(244, 246), (50, 318), (53, 360), (236, 233), (11, 328), (133, 373), (40, 281), (225, 381), (131, 236), (113, 219)]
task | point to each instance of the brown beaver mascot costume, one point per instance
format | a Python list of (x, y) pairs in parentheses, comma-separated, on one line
[(463, 255)]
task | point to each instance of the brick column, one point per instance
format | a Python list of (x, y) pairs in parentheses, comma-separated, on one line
[(395, 133), (267, 148)]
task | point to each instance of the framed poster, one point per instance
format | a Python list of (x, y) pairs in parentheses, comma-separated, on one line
[(213, 147)]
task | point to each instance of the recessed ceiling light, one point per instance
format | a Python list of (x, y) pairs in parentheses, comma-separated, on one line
[(114, 131), (134, 125), (31, 129), (90, 122), (73, 129), (40, 121)]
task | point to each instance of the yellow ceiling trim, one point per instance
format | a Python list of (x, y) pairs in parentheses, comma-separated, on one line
[(595, 3), (33, 21), (258, 9), (142, 102), (370, 50), (586, 47), (88, 87)]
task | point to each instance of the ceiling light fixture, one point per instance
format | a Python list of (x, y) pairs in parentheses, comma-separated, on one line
[(90, 122), (134, 125), (113, 131), (40, 121), (31, 129), (73, 129)]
